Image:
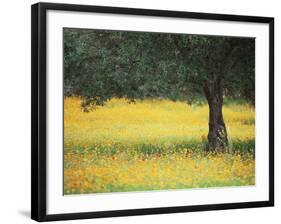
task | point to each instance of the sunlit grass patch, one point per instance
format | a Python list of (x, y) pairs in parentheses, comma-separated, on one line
[(153, 145), (84, 173)]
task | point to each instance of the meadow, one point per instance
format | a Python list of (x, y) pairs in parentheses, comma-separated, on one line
[(154, 145)]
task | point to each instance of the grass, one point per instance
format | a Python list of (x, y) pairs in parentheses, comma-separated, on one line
[(153, 145)]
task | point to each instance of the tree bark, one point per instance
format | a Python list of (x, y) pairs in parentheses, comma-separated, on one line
[(217, 136)]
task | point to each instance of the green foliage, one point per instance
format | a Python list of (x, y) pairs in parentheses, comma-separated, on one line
[(99, 65), (146, 149)]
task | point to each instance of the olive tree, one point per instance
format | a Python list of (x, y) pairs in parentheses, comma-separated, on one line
[(99, 65)]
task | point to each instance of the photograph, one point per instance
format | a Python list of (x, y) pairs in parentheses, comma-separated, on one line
[(139, 112), (155, 111)]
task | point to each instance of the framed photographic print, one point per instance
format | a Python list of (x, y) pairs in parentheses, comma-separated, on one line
[(139, 111)]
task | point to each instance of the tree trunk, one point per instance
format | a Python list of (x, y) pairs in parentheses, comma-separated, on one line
[(217, 136)]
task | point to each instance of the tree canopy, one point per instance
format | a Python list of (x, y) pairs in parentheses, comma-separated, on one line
[(99, 65)]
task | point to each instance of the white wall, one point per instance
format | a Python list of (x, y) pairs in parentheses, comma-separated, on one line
[(15, 109)]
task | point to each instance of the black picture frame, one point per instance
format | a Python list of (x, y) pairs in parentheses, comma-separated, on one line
[(39, 122)]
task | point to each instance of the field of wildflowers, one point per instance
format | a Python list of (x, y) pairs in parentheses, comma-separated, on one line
[(153, 145)]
